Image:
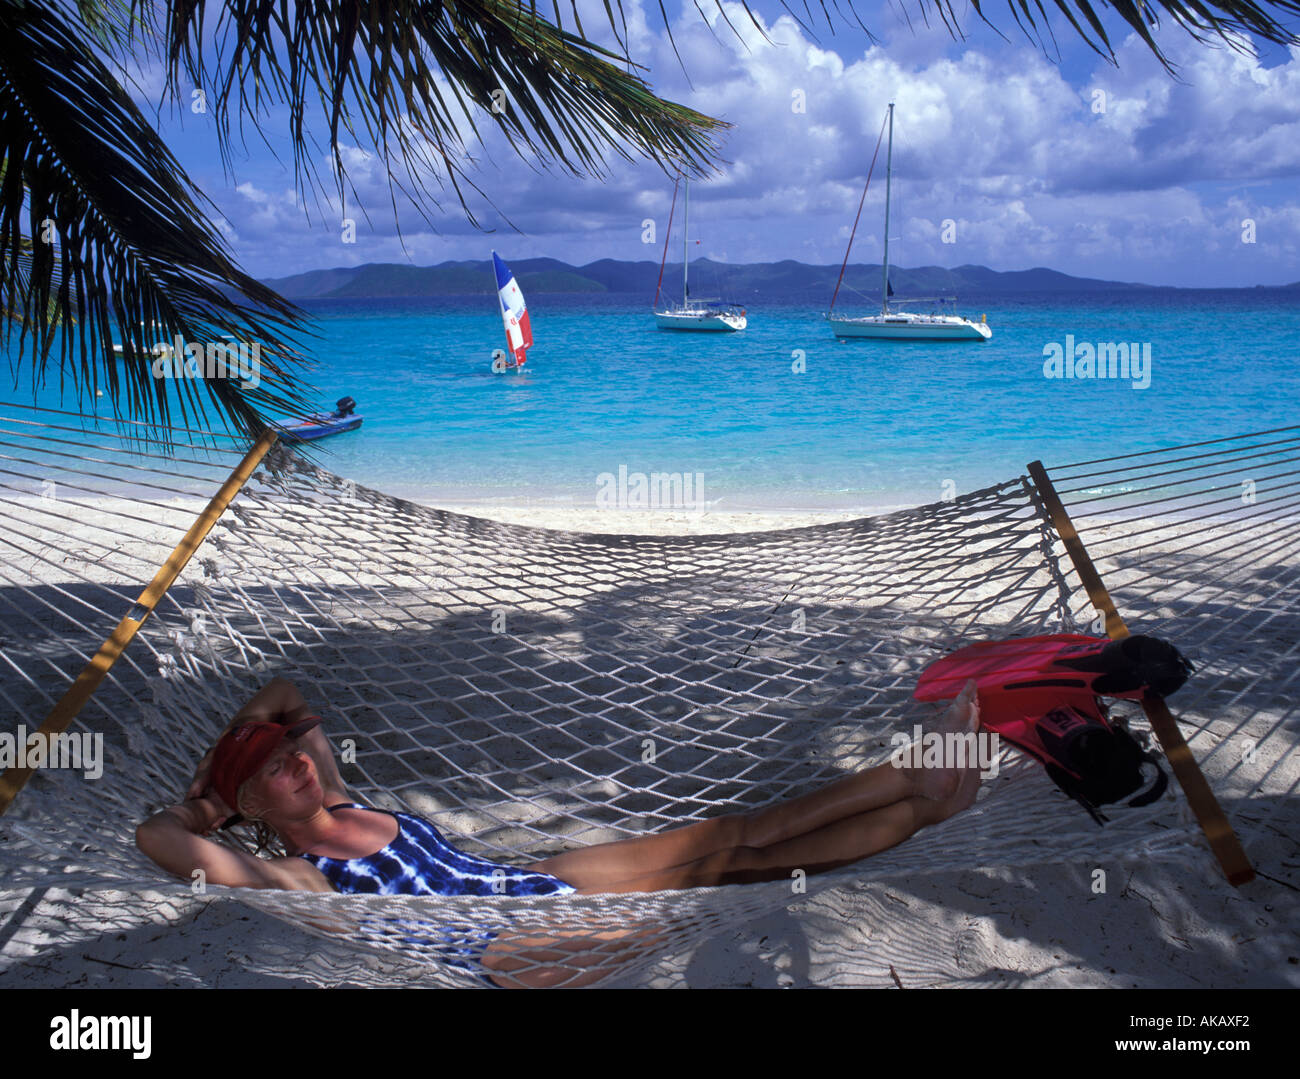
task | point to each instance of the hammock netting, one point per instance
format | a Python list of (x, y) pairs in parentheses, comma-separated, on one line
[(532, 690)]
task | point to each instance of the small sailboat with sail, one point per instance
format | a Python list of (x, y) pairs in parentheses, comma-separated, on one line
[(514, 313), (939, 325), (693, 314)]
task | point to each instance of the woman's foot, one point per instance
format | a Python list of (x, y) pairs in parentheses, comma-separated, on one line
[(968, 788), (948, 781)]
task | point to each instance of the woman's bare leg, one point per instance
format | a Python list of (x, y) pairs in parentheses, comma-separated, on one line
[(841, 843), (571, 958), (840, 823)]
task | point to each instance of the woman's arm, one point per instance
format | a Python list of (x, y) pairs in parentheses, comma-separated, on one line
[(280, 702), (174, 840), (276, 702)]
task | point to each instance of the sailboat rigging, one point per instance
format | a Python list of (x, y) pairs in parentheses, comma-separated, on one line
[(894, 324), (693, 314)]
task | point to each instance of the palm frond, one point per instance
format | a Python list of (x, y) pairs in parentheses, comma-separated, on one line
[(14, 306), (409, 80), (133, 253), (1225, 20), (109, 22)]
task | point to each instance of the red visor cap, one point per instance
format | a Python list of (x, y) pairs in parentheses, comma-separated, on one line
[(244, 750)]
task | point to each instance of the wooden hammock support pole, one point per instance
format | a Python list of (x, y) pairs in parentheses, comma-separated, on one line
[(1223, 840), (65, 711)]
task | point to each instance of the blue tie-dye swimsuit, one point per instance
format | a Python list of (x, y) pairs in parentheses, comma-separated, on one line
[(420, 862)]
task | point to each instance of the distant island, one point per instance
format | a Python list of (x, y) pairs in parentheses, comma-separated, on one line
[(744, 282)]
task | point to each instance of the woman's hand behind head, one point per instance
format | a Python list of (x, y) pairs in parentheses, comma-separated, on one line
[(209, 811)]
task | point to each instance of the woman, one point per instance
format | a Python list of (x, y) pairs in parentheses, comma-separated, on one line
[(273, 764)]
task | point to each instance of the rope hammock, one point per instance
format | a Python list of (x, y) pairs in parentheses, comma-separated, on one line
[(532, 690)]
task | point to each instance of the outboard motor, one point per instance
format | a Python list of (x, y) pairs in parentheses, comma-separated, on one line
[(345, 407)]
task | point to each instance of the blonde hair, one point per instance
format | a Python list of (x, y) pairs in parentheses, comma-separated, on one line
[(265, 835)]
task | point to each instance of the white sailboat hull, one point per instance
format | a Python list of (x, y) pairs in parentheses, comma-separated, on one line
[(911, 327), (700, 320)]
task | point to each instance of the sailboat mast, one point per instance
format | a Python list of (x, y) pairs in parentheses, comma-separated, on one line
[(686, 250), (889, 174)]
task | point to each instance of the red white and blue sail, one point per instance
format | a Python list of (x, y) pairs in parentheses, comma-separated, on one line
[(519, 335)]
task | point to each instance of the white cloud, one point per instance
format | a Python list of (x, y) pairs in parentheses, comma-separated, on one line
[(1002, 142)]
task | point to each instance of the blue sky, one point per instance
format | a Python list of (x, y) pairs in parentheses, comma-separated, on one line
[(1058, 159)]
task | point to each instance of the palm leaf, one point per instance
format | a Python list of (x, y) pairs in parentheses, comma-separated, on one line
[(109, 22), (407, 79), (14, 306), (1226, 20), (133, 248)]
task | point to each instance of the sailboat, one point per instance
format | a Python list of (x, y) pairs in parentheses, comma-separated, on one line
[(693, 314), (902, 325), (514, 313)]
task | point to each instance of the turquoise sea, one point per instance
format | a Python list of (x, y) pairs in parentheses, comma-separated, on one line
[(781, 415)]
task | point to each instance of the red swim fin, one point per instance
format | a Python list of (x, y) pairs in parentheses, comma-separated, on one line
[(1040, 693), (1042, 668)]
